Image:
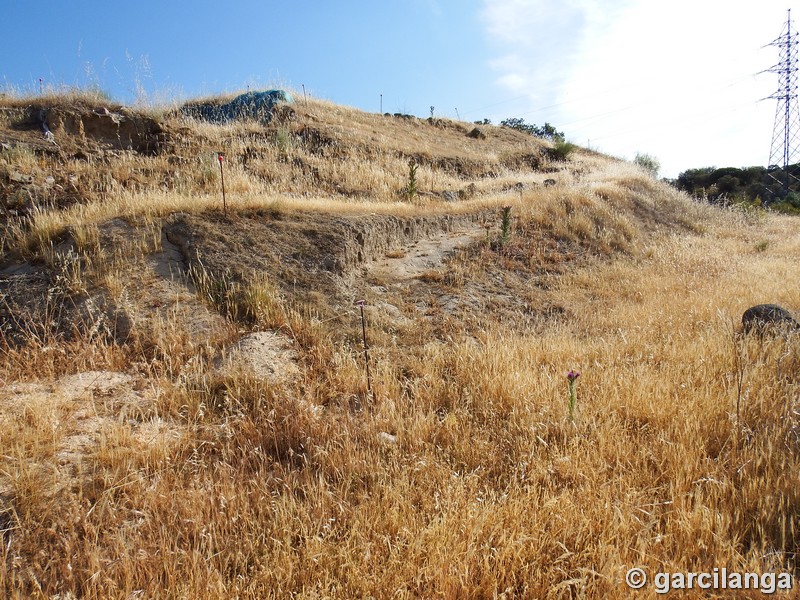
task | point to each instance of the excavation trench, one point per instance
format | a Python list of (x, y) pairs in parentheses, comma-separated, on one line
[(304, 244)]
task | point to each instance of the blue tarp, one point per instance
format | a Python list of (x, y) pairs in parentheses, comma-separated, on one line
[(252, 105)]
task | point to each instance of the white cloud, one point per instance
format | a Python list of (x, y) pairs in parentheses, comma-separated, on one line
[(539, 43), (526, 22), (671, 79)]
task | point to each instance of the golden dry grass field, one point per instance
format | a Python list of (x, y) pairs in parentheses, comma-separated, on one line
[(184, 410)]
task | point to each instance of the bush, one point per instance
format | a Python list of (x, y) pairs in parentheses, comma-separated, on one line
[(561, 150), (648, 163), (752, 185)]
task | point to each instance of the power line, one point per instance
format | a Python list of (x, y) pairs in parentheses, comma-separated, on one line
[(687, 122)]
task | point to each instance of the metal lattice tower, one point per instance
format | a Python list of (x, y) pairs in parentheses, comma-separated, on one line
[(784, 150)]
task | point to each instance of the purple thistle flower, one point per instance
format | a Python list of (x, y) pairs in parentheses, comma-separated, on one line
[(571, 377)]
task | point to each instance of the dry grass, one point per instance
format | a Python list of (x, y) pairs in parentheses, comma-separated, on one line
[(465, 478), (488, 488)]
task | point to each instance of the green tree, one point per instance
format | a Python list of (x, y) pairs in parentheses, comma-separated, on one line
[(546, 131)]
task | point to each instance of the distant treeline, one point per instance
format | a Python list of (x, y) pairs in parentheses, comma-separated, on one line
[(752, 185)]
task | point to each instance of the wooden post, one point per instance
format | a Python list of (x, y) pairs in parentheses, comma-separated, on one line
[(220, 158), (360, 304)]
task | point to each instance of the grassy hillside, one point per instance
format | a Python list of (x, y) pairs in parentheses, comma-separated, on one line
[(185, 410)]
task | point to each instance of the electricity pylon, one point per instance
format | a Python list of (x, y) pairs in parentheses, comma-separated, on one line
[(784, 150)]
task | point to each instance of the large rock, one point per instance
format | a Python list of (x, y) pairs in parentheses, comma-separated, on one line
[(764, 316), (252, 105)]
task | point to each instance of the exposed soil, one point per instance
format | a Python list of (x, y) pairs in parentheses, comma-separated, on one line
[(313, 258), (82, 129), (303, 242), (83, 407), (416, 259), (269, 355)]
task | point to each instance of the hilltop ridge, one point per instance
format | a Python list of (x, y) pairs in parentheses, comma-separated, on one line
[(299, 152), (73, 169)]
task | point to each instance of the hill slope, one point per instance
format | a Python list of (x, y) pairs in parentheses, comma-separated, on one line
[(185, 407)]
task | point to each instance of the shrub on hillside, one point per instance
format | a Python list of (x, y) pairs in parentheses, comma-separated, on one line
[(561, 150), (648, 163)]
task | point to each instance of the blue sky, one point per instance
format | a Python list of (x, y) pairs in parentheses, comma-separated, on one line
[(676, 80)]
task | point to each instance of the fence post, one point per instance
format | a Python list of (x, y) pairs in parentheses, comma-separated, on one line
[(220, 158), (360, 304)]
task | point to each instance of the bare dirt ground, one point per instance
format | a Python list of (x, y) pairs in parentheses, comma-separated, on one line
[(420, 257), (78, 411), (270, 355)]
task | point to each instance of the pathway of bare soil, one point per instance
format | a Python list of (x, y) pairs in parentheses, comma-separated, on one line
[(458, 279), (401, 265)]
